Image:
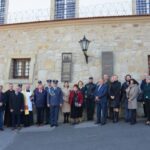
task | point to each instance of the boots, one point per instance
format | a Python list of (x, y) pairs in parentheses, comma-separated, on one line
[(115, 117)]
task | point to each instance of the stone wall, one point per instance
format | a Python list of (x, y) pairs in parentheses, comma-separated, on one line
[(44, 42)]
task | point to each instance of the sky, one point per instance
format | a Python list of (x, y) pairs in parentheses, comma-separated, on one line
[(29, 9), (20, 5)]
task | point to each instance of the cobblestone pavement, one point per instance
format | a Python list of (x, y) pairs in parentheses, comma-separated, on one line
[(85, 136)]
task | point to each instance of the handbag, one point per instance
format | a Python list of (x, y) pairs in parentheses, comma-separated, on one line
[(140, 97), (76, 101)]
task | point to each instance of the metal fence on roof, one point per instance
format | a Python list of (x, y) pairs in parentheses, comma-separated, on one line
[(69, 11)]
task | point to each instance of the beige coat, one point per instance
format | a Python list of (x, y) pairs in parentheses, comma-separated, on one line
[(66, 106), (132, 95)]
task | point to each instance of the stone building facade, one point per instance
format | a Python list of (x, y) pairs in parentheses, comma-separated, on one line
[(128, 38)]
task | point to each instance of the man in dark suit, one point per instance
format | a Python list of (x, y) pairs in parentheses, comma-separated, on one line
[(101, 102), (2, 107), (16, 105), (40, 97), (47, 109), (89, 98), (7, 116)]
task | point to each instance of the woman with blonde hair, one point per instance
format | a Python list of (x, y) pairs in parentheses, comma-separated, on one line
[(66, 105)]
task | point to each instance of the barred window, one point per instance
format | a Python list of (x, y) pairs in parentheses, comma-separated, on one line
[(2, 11), (143, 7), (64, 9), (20, 68)]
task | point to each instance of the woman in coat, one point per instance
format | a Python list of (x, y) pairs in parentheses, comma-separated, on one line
[(75, 100), (146, 93), (115, 92), (81, 89), (66, 105), (132, 95)]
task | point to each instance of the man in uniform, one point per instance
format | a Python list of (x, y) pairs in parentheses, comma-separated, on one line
[(54, 102), (90, 98)]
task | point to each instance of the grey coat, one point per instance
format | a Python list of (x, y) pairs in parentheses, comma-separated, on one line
[(132, 95)]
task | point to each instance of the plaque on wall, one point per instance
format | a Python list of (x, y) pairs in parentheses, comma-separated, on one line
[(107, 63), (66, 67)]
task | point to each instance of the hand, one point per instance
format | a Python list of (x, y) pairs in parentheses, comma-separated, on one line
[(112, 97), (97, 98), (48, 105), (60, 105), (1, 104), (26, 107), (79, 105), (11, 110)]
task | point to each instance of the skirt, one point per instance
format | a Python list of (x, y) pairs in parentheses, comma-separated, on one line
[(75, 112)]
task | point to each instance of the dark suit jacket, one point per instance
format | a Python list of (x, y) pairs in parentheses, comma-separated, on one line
[(2, 100), (16, 102), (102, 92)]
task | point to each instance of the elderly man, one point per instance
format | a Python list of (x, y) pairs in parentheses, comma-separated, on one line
[(47, 110), (40, 97), (28, 100), (54, 102), (16, 105), (101, 100), (7, 116)]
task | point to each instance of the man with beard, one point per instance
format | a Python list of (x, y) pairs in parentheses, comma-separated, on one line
[(90, 98)]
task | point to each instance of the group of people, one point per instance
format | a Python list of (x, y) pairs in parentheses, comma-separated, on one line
[(107, 95)]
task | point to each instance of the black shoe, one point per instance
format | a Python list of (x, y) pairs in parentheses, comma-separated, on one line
[(103, 123), (98, 122), (13, 129), (1, 129)]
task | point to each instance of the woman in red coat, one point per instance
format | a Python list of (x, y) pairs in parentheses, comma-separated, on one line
[(75, 100)]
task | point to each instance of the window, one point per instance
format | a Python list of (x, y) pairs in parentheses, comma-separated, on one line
[(143, 7), (2, 11), (64, 9), (20, 68), (149, 64)]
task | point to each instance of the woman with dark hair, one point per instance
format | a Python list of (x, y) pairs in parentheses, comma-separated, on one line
[(75, 100), (146, 93), (132, 95), (81, 89), (66, 105), (124, 99)]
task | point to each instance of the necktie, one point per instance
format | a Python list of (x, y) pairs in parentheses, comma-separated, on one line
[(99, 87)]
